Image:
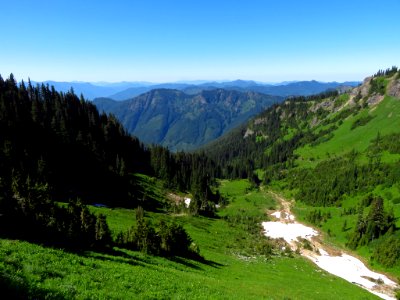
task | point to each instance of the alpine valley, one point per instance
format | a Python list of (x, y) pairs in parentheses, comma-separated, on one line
[(184, 117), (180, 121), (88, 211)]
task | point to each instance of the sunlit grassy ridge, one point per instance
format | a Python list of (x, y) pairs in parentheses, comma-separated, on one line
[(385, 120)]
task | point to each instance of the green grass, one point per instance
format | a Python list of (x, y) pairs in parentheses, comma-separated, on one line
[(342, 99), (334, 224), (230, 270), (119, 219), (56, 274), (386, 120), (245, 198)]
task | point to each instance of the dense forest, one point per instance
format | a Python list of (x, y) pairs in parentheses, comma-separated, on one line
[(57, 148)]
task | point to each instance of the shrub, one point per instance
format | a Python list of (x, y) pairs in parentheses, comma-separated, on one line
[(378, 86), (361, 121), (387, 252)]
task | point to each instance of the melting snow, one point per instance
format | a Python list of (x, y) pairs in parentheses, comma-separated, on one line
[(349, 268), (288, 231), (344, 266)]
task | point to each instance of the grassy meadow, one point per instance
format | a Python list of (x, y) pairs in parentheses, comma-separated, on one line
[(231, 268)]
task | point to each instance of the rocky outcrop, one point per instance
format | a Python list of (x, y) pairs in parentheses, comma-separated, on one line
[(375, 99), (394, 88), (362, 89)]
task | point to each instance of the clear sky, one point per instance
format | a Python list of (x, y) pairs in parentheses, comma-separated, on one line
[(172, 40)]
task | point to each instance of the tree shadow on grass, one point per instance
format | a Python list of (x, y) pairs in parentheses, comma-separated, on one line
[(212, 264), (187, 261), (120, 256), (116, 255), (184, 262)]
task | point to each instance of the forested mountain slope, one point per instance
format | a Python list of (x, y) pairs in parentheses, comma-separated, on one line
[(180, 121), (55, 147)]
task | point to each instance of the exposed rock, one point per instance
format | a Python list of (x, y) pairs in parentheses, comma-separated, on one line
[(394, 89), (375, 99), (362, 89)]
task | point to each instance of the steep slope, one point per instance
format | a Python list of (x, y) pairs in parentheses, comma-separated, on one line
[(315, 125), (183, 122), (338, 155)]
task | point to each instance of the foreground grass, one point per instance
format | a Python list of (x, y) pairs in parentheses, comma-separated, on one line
[(229, 271)]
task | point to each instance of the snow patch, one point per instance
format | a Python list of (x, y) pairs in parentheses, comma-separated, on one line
[(187, 202), (344, 266), (349, 268), (290, 232)]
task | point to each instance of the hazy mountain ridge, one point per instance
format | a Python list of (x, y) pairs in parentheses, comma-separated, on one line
[(125, 90), (285, 89), (87, 89), (180, 121)]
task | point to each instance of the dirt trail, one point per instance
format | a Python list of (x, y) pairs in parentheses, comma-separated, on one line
[(309, 243), (285, 204)]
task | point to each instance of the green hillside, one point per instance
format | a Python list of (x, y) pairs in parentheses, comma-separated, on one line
[(338, 156), (384, 119)]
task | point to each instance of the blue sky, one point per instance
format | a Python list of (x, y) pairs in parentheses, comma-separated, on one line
[(174, 40)]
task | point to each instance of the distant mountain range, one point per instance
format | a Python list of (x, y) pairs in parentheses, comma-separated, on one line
[(181, 121), (297, 88), (89, 90), (127, 90)]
